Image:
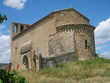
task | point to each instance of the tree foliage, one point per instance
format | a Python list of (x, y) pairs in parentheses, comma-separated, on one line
[(2, 18)]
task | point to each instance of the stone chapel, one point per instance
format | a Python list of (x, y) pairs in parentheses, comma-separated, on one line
[(61, 36)]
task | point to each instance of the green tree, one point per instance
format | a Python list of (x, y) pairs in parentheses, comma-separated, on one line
[(2, 18)]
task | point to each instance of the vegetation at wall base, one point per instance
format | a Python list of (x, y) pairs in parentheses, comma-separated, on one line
[(97, 69), (88, 71), (8, 76), (80, 69)]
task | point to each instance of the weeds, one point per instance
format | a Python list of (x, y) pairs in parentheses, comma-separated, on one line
[(80, 69), (72, 72)]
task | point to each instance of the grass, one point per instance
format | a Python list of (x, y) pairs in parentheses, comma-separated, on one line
[(94, 70)]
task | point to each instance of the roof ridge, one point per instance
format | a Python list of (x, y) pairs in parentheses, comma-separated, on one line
[(62, 10), (71, 9)]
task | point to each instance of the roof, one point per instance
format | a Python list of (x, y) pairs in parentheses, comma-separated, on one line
[(52, 13), (73, 10)]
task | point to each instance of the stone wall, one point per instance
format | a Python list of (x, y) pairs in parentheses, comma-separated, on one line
[(37, 35), (61, 42), (17, 28), (55, 59), (69, 17), (82, 33)]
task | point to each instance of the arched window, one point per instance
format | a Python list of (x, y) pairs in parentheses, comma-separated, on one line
[(15, 28), (25, 61), (21, 28), (85, 44)]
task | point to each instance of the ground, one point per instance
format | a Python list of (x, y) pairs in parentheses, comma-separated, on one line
[(96, 70)]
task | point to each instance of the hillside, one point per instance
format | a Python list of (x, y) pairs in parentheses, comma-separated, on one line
[(96, 70), (3, 65)]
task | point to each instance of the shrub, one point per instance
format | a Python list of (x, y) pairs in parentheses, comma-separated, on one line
[(9, 76)]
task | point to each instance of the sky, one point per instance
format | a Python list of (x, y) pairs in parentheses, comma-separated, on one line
[(30, 11)]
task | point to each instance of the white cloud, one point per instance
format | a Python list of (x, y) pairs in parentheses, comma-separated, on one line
[(4, 48), (102, 46), (8, 31), (2, 26), (102, 32), (98, 48), (102, 38), (18, 4), (106, 54)]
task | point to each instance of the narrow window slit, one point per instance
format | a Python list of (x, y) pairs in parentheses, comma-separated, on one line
[(85, 44), (21, 28)]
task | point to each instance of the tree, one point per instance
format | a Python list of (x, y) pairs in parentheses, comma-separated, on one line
[(2, 18)]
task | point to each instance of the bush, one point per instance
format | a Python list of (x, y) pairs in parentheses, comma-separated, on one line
[(8, 76)]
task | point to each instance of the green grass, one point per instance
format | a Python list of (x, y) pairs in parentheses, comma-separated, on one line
[(80, 69), (74, 71)]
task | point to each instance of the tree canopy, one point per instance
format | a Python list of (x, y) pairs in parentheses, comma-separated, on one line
[(2, 18)]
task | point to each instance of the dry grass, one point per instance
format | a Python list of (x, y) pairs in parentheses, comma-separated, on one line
[(90, 71)]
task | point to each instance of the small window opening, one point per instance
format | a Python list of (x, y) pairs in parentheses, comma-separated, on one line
[(27, 26), (85, 44), (21, 28), (15, 48), (15, 28)]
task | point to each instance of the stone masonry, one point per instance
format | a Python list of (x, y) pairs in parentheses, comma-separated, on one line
[(62, 36)]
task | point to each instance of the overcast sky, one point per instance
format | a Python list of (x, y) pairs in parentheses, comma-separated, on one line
[(30, 11)]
